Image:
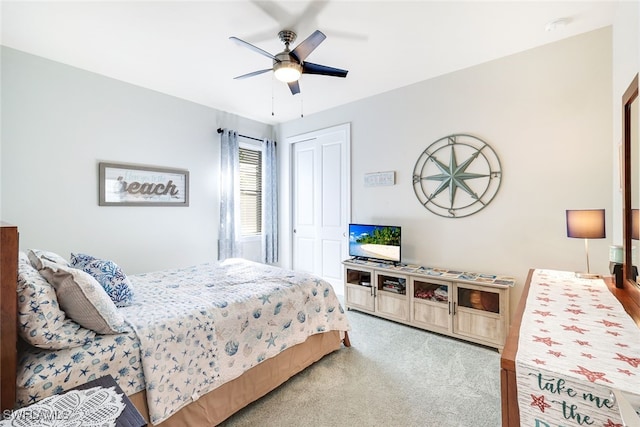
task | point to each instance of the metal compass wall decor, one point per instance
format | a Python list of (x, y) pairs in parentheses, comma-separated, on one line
[(457, 176)]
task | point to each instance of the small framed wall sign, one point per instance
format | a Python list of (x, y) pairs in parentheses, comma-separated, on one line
[(378, 179), (136, 185)]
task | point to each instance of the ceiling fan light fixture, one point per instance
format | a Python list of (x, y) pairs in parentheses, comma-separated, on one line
[(287, 71)]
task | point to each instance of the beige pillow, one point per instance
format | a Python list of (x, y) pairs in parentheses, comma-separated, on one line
[(83, 299)]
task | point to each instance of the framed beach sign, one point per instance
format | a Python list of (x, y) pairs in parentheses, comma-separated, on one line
[(136, 185)]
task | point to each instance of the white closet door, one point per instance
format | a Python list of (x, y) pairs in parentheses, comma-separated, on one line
[(321, 198)]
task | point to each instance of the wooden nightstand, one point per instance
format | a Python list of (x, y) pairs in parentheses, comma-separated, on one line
[(130, 417)]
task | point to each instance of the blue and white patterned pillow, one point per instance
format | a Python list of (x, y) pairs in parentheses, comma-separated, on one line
[(109, 275), (41, 322)]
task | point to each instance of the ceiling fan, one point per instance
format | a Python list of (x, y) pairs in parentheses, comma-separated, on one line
[(289, 65)]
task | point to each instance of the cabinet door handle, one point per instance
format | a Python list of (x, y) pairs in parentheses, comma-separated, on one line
[(449, 307), (454, 308)]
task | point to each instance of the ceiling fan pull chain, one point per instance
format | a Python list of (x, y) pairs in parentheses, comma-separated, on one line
[(272, 101), (301, 107)]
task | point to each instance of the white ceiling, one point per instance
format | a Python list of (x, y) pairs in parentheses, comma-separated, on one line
[(182, 48)]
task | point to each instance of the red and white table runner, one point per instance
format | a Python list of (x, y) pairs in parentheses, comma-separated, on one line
[(576, 345)]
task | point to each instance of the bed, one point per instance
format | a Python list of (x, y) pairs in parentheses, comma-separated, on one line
[(188, 346)]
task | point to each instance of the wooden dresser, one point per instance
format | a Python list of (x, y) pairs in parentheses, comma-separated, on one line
[(509, 390)]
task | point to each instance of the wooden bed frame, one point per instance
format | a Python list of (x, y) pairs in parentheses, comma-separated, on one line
[(629, 297), (210, 409)]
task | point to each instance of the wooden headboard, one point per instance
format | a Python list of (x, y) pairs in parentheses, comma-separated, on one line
[(8, 314)]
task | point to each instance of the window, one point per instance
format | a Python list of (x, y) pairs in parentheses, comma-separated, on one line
[(250, 191)]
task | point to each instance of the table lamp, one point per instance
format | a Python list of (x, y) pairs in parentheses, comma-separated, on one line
[(586, 224)]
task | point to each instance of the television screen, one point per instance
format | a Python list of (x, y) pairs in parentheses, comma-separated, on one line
[(380, 242)]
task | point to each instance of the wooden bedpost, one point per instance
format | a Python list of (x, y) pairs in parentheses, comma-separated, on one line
[(8, 314), (346, 341)]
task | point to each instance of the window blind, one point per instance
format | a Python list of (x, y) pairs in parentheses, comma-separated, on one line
[(250, 191)]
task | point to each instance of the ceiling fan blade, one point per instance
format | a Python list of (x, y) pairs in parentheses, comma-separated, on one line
[(308, 45), (275, 11), (311, 68), (312, 10), (255, 73), (253, 48), (346, 35), (295, 87), (307, 19)]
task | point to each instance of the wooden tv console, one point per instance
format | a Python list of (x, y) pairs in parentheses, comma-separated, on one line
[(470, 306)]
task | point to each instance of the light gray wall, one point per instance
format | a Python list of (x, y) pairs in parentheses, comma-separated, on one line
[(546, 112), (58, 122)]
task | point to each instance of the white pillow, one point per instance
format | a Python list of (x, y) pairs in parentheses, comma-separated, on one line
[(83, 299), (36, 256)]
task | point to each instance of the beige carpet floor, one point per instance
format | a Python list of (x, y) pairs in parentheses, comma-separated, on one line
[(392, 375)]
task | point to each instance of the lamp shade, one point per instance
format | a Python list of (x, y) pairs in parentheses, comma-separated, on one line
[(287, 71), (586, 224), (635, 224)]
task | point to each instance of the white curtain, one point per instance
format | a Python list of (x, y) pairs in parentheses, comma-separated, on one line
[(229, 230), (269, 203)]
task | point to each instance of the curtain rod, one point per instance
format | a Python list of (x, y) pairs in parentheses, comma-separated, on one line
[(245, 136)]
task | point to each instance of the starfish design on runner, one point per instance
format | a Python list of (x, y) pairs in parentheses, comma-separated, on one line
[(574, 310), (625, 371), (588, 355), (633, 361), (607, 323), (582, 342), (540, 362), (556, 353), (592, 376), (543, 313), (574, 329), (614, 333), (545, 340), (539, 402), (612, 424), (603, 307), (545, 299)]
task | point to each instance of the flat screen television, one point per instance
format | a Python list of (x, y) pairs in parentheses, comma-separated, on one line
[(376, 242)]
